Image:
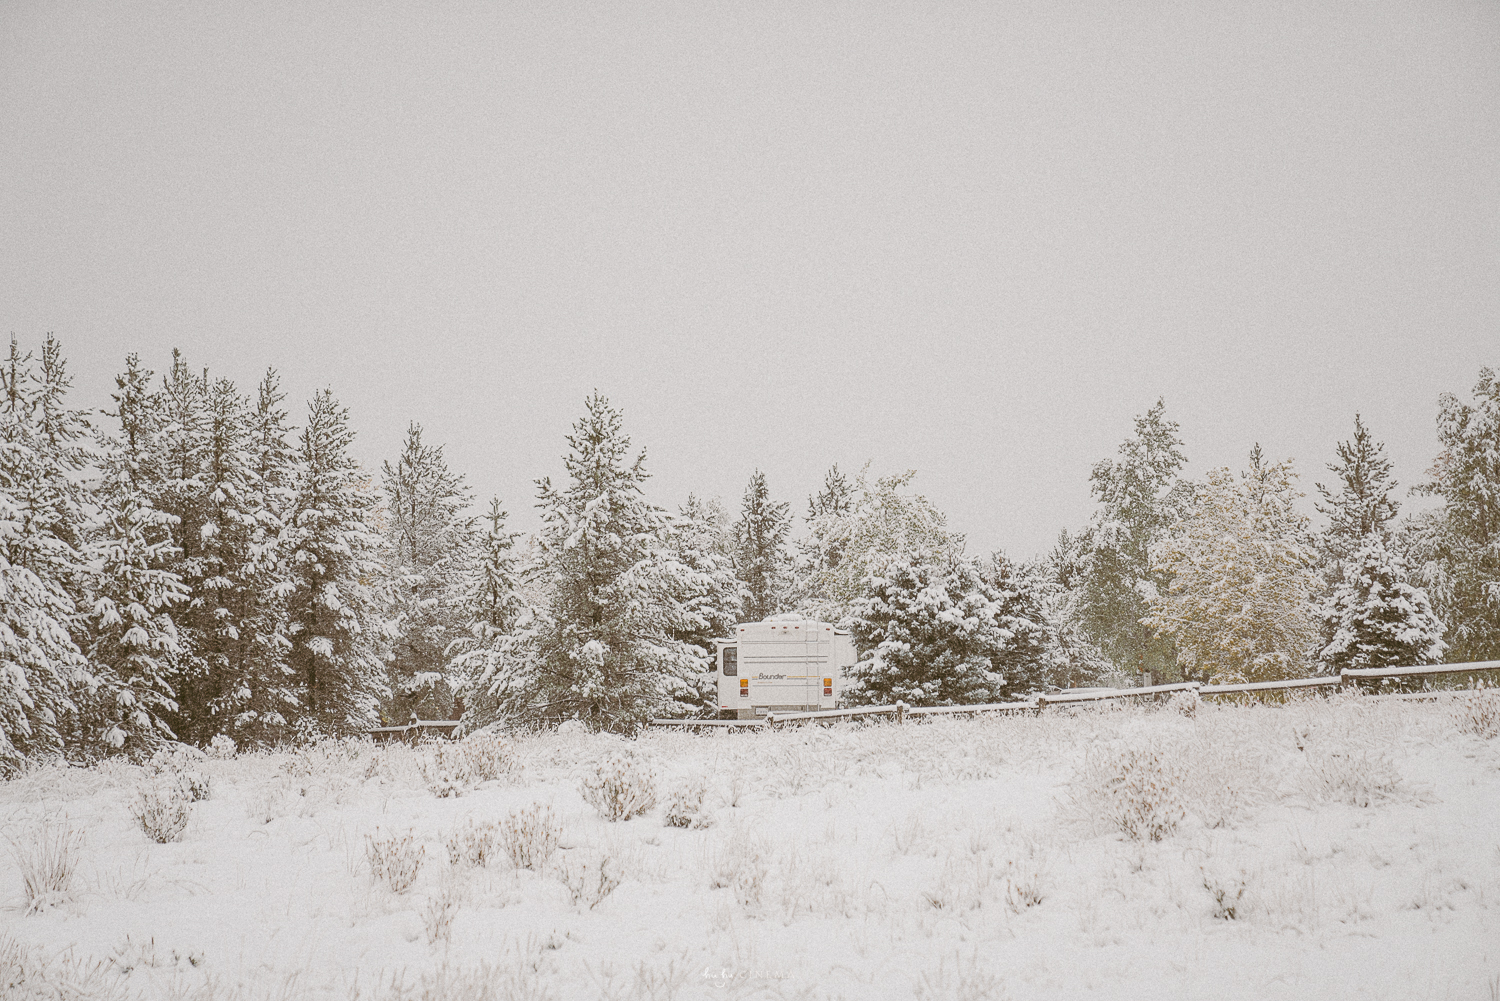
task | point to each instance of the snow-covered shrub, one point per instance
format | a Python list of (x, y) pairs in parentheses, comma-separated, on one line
[(740, 865), (620, 786), (1349, 777), (394, 859), (222, 747), (530, 835), (487, 757), (685, 805), (1186, 703), (183, 765), (441, 909), (473, 844), (455, 769), (445, 770), (25, 976), (46, 855), (589, 881), (1478, 713), (1134, 789), (162, 809)]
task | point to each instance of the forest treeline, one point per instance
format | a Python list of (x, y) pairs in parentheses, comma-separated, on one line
[(192, 563)]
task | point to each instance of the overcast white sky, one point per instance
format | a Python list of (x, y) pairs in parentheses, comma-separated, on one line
[(973, 239)]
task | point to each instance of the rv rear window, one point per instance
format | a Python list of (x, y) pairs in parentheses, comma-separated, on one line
[(731, 661)]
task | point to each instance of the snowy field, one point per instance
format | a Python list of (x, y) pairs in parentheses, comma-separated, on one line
[(1332, 849)]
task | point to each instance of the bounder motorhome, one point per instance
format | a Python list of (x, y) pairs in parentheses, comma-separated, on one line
[(784, 664)]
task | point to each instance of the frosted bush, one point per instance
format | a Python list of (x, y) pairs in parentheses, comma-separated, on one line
[(1349, 777), (530, 836), (162, 808), (46, 855), (1136, 790), (685, 805), (589, 881), (456, 769), (1185, 703), (222, 747), (395, 859), (473, 844), (620, 786), (1478, 713)]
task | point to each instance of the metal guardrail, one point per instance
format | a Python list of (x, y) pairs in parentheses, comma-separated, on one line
[(1348, 678)]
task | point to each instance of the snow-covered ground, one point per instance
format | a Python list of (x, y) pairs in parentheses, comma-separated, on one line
[(1332, 849)]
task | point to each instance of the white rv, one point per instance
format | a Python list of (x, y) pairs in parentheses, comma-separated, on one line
[(785, 664)]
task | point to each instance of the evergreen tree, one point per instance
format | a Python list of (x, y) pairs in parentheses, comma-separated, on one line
[(1458, 547), (855, 536), (835, 499), (338, 639), (430, 542), (1140, 497), (496, 612), (41, 569), (1242, 577), (1377, 619), (260, 690), (761, 559), (1022, 593), (702, 543), (1362, 505), (935, 635), (603, 649)]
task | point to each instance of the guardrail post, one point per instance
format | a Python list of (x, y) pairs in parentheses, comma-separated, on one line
[(900, 713), (1041, 703)]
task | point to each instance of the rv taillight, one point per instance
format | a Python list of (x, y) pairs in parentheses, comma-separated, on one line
[(827, 682), (745, 687)]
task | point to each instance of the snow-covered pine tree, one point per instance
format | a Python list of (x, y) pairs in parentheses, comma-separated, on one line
[(495, 612), (932, 634), (1458, 548), (132, 642), (1360, 506), (603, 649), (760, 553), (1140, 497), (338, 638), (1021, 594), (849, 539), (1241, 575), (431, 541), (41, 569), (836, 498), (702, 542), (261, 689), (1377, 618)]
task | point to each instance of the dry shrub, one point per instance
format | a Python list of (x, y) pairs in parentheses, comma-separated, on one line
[(589, 881), (1349, 777), (1478, 713), (183, 765), (46, 854), (1136, 790), (473, 844), (438, 915), (24, 976), (530, 835), (1187, 703), (620, 786), (163, 809), (455, 769), (395, 859), (685, 805)]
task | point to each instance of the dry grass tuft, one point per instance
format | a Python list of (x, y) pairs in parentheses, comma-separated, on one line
[(394, 859)]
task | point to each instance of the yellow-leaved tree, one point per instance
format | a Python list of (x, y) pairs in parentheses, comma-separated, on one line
[(1241, 572)]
